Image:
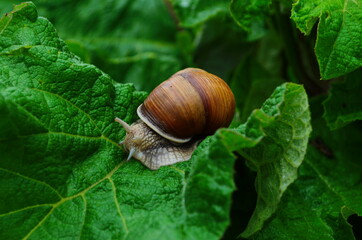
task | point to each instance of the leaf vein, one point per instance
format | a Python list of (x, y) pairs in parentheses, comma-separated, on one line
[(84, 212), (40, 223), (123, 219), (72, 104), (34, 180), (324, 180), (26, 208)]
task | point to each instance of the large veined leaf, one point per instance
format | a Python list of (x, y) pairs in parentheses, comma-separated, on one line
[(338, 47), (59, 149), (63, 175)]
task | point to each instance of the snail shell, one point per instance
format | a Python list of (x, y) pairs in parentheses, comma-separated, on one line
[(191, 102), (187, 107)]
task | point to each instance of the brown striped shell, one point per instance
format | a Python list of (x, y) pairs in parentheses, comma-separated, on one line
[(192, 102)]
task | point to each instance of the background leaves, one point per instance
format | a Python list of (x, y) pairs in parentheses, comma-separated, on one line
[(343, 106), (119, 44), (328, 189), (50, 95), (338, 48)]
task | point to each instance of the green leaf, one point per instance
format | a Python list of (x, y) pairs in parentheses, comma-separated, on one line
[(338, 47), (279, 154), (250, 15), (344, 103), (327, 191), (62, 173), (192, 13)]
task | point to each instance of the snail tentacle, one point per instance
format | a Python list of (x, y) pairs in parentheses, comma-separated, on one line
[(124, 124), (131, 152)]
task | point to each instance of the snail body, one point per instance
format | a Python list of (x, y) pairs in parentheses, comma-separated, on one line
[(176, 115)]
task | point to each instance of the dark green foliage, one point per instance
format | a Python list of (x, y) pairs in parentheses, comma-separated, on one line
[(65, 77)]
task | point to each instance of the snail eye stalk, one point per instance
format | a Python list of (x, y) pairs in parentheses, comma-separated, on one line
[(124, 124)]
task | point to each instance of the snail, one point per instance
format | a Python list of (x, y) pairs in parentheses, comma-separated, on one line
[(176, 116)]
